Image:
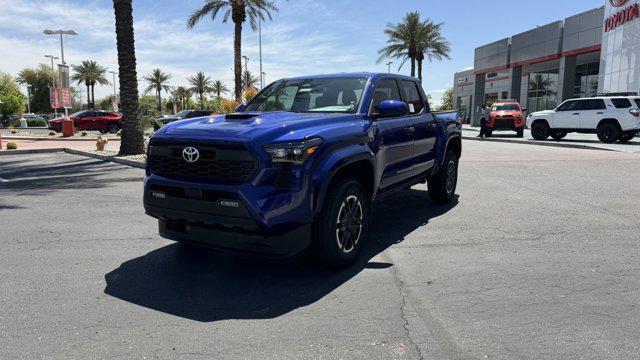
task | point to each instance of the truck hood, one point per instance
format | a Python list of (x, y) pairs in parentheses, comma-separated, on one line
[(269, 126), (543, 113), (505, 113)]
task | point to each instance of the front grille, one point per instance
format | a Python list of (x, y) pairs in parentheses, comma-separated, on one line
[(216, 163), (503, 122)]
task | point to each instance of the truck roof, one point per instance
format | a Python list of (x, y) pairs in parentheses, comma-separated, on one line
[(354, 75)]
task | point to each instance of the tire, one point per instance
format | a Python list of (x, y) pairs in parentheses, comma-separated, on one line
[(520, 132), (346, 203), (103, 131), (113, 128), (540, 131), (442, 186), (558, 134), (628, 136), (608, 133)]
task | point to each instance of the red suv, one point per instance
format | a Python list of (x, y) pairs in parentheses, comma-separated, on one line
[(103, 121), (507, 115)]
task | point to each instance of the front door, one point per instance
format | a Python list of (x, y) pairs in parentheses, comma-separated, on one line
[(395, 138), (568, 115)]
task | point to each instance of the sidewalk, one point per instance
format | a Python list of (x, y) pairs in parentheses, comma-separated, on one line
[(85, 145), (589, 141)]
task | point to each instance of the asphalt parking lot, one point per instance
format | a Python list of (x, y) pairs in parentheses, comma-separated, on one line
[(537, 258)]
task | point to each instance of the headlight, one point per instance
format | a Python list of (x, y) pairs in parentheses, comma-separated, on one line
[(293, 152)]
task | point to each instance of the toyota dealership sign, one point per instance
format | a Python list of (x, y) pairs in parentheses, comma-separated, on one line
[(622, 16)]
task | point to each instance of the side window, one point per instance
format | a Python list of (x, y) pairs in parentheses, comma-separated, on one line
[(412, 95), (592, 104), (621, 103), (386, 89), (569, 106)]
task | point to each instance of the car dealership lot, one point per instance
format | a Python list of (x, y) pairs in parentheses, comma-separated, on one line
[(537, 258)]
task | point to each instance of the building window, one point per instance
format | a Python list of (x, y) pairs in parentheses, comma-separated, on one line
[(543, 88), (505, 95), (586, 83)]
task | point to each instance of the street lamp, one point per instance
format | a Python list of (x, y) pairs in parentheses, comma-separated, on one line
[(389, 67), (60, 32), (263, 78), (53, 79), (260, 44), (114, 73), (246, 61)]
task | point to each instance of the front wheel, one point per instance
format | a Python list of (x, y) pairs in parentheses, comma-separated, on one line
[(113, 128), (558, 134), (628, 136), (342, 225), (442, 186), (540, 131)]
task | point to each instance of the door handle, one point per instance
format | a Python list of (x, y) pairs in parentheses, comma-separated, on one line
[(576, 113), (410, 130), (600, 113)]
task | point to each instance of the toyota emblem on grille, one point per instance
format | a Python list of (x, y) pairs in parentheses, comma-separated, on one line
[(190, 154)]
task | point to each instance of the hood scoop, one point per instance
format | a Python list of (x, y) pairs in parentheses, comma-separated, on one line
[(241, 116)]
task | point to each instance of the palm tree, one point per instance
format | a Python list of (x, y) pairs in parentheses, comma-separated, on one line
[(181, 94), (219, 88), (248, 80), (132, 141), (157, 81), (431, 44), (239, 10), (201, 84), (90, 73), (541, 85), (403, 40)]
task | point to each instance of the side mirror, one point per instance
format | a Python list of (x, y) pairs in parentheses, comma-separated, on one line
[(391, 108), (240, 107)]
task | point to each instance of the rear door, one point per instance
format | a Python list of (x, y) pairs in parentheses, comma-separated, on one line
[(568, 115), (591, 112), (425, 126), (395, 137)]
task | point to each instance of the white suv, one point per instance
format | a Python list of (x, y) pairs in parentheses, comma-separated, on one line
[(615, 118)]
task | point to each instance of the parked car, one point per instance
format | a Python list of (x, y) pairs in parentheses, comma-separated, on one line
[(611, 118), (506, 115), (103, 121), (184, 114), (300, 165)]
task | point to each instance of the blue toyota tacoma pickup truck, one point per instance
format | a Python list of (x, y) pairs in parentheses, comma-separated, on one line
[(300, 165)]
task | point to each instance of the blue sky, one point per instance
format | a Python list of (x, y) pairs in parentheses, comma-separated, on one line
[(305, 37)]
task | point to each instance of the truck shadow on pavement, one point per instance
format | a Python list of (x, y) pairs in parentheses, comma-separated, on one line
[(205, 285)]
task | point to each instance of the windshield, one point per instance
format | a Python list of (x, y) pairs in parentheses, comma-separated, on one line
[(76, 114), (322, 95), (183, 113), (506, 107), (637, 102)]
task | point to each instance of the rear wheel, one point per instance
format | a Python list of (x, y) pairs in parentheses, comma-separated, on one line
[(628, 136), (113, 128), (608, 133), (540, 131), (558, 134), (442, 186), (342, 226)]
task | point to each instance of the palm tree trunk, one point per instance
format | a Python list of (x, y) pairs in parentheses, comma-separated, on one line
[(93, 97), (237, 60), (132, 142), (88, 96), (201, 101), (413, 66), (159, 97), (420, 70)]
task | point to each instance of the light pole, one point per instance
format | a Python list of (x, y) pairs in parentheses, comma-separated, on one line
[(260, 46), (53, 79), (389, 67), (246, 63), (28, 99), (61, 32), (263, 77), (115, 99)]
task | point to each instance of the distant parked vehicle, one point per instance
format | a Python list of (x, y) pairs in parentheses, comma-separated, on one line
[(611, 118), (506, 115), (103, 121), (184, 114)]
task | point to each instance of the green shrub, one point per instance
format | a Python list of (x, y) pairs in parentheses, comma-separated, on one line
[(14, 131), (12, 146), (145, 122), (36, 122), (148, 133), (52, 133), (84, 133), (119, 133)]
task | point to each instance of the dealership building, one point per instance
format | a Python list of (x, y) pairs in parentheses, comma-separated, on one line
[(591, 53)]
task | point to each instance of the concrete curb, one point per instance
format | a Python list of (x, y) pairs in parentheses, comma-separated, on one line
[(30, 151), (42, 138), (540, 143), (106, 158)]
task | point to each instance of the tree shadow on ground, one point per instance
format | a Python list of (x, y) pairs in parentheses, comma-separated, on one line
[(205, 285)]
